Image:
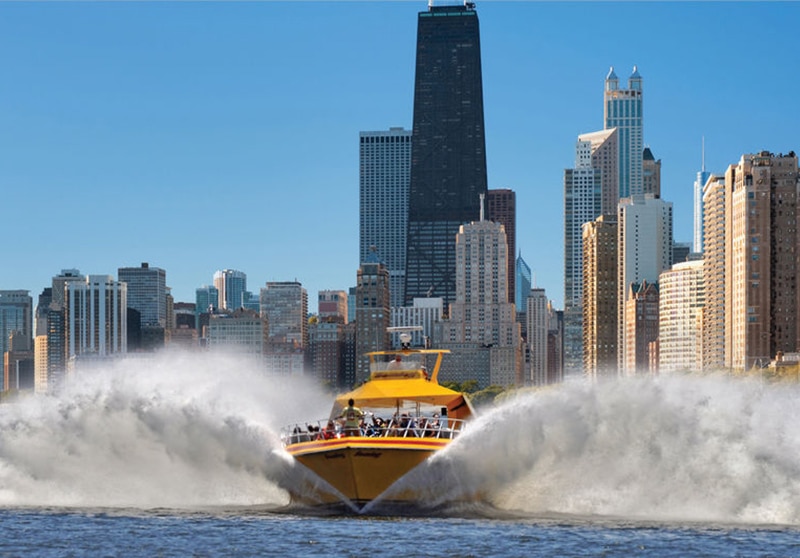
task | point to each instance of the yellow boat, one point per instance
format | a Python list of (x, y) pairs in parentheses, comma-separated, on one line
[(407, 417)]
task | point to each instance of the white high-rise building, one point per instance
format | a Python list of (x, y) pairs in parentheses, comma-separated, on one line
[(699, 184), (95, 317), (582, 204), (644, 233), (623, 110), (425, 313), (384, 176), (680, 304)]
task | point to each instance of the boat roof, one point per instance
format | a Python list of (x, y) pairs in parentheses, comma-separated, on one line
[(391, 390), (394, 388)]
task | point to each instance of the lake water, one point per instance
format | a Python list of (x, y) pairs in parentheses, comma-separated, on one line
[(245, 533), (179, 456)]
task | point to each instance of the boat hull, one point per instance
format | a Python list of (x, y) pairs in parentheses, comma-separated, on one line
[(362, 469)]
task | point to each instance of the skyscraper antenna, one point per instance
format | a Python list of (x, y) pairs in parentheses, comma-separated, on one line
[(703, 159)]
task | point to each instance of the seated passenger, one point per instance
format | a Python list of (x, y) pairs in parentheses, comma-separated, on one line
[(330, 431), (375, 428), (396, 364), (433, 426)]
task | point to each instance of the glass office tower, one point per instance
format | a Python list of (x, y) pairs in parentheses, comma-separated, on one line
[(448, 153)]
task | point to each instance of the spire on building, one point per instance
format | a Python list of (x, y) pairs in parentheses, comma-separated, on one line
[(612, 81), (635, 81)]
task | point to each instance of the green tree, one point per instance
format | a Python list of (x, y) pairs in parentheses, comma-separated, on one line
[(486, 397)]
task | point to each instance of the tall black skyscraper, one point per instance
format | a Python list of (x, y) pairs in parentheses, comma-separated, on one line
[(448, 153)]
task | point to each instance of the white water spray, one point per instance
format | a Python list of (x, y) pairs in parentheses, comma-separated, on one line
[(188, 431), (675, 448), (176, 431)]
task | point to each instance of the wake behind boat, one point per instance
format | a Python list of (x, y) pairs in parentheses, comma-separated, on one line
[(378, 432)]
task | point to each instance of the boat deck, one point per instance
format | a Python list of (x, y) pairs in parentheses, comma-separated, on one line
[(395, 428)]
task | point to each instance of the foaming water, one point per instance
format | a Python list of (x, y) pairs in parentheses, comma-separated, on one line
[(675, 448), (174, 431)]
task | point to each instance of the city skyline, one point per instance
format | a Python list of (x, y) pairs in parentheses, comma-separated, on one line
[(169, 133)]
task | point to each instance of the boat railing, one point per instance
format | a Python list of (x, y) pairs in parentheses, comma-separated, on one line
[(403, 427)]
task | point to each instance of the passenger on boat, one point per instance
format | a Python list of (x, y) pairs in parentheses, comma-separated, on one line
[(352, 416), (296, 435), (422, 425), (407, 426), (329, 432), (433, 425), (396, 364)]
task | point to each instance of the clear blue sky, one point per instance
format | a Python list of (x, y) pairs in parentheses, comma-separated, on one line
[(211, 135)]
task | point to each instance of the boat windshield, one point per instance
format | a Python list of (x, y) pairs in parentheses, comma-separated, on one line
[(397, 362)]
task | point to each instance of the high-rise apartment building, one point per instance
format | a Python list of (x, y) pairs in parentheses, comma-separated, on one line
[(325, 355), (501, 207), (640, 327), (332, 306), (582, 203), (644, 240), (373, 314), (761, 290), (600, 297), (481, 313), (231, 286), (95, 318), (603, 156), (714, 240), (384, 176), (448, 152), (537, 318), (681, 300), (623, 110), (284, 304)]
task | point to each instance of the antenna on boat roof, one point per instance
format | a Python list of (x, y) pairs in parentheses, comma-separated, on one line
[(405, 334)]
